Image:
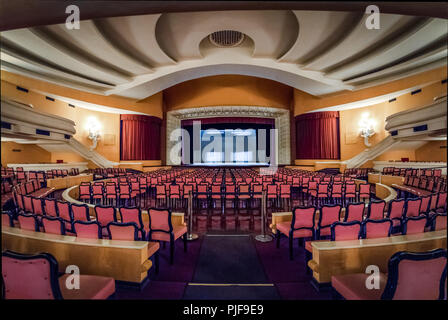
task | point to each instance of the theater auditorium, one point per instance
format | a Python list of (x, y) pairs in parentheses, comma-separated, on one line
[(224, 150)]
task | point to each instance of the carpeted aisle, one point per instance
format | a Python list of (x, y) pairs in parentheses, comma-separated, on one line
[(229, 268)]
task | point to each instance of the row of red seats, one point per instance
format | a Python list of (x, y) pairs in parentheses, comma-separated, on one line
[(303, 224), (412, 172), (60, 217)]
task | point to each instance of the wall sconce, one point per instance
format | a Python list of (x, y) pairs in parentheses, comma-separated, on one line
[(93, 127), (367, 125)]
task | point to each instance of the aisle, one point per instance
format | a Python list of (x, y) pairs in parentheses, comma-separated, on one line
[(229, 268)]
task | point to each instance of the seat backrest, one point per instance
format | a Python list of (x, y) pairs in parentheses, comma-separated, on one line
[(424, 205), (123, 231), (433, 203), (30, 276), (441, 200), (80, 212), (105, 214), (27, 222), (412, 208), (87, 229), (303, 218), (84, 190), (244, 188), (131, 215), (438, 222), (160, 220), (285, 189), (341, 231), (64, 211), (336, 188), (174, 189), (376, 228), (322, 188), (412, 225), (354, 212), (6, 219), (28, 204), (50, 207), (97, 189), (396, 209), (53, 225), (376, 210), (350, 188), (328, 215), (37, 206), (364, 188), (416, 276)]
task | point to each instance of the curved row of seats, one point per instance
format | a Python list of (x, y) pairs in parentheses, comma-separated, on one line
[(402, 216), (60, 217)]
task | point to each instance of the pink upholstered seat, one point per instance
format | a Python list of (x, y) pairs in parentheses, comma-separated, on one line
[(354, 212), (28, 204), (328, 215), (411, 276), (50, 207), (123, 231), (177, 232), (441, 202), (53, 225), (27, 222), (413, 225), (93, 288), (161, 229), (341, 231), (6, 220), (413, 207), (133, 215), (104, 215), (80, 212), (64, 210), (376, 210), (285, 227), (377, 228), (364, 190), (36, 277), (424, 205), (439, 222), (301, 226), (37, 206), (353, 286), (396, 210), (88, 230)]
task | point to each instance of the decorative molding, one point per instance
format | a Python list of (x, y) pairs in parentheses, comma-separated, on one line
[(281, 116)]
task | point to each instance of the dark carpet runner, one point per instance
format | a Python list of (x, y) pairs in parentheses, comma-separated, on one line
[(229, 268), (218, 267)]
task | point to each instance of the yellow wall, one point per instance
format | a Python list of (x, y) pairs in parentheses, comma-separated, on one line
[(431, 151), (227, 90), (152, 105), (110, 122), (352, 143), (304, 102), (29, 153)]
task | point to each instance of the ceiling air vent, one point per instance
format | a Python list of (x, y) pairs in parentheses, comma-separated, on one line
[(226, 38)]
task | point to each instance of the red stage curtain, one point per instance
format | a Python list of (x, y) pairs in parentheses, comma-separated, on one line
[(217, 120), (140, 137), (317, 135)]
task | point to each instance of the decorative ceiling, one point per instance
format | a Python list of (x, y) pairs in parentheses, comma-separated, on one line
[(319, 52)]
